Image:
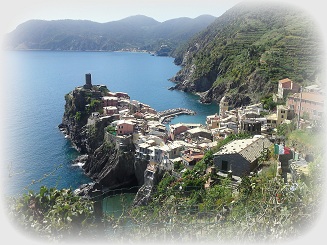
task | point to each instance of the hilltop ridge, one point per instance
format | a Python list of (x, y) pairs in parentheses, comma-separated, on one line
[(134, 33), (245, 51)]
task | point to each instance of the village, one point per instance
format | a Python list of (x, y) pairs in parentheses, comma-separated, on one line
[(162, 144)]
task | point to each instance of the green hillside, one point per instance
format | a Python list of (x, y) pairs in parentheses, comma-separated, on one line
[(247, 50), (132, 33)]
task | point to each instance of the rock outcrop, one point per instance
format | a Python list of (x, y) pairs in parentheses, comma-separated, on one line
[(151, 179), (109, 160), (112, 166)]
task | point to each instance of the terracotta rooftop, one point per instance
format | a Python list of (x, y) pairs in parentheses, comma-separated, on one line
[(285, 80)]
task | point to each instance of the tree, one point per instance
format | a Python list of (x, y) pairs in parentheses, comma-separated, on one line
[(53, 214)]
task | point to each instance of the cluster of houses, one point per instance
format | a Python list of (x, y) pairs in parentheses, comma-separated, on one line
[(162, 145)]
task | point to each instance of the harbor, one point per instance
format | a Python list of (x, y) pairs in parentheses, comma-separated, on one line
[(167, 115)]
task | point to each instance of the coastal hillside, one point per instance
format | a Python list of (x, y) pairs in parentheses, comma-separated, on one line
[(132, 33), (247, 50)]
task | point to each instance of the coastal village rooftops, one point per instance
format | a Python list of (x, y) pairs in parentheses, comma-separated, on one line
[(182, 143), (144, 145), (110, 107), (193, 125), (272, 116), (198, 130), (125, 121), (109, 98), (151, 142), (175, 144), (214, 116), (118, 122), (248, 148), (235, 146), (176, 125), (282, 107), (285, 81), (229, 118)]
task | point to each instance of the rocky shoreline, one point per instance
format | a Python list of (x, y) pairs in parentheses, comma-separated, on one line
[(108, 159)]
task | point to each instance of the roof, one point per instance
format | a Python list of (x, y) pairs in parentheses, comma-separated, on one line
[(285, 80), (125, 122), (109, 98), (177, 125), (250, 149), (198, 130), (272, 116), (144, 145), (110, 108)]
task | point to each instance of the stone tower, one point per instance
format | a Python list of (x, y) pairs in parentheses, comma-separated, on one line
[(223, 106), (88, 81)]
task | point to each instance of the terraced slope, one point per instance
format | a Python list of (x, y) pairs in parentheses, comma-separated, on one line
[(247, 50)]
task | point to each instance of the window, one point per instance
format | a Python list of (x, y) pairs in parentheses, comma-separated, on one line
[(224, 165)]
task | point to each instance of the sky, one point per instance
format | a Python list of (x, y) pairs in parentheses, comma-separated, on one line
[(15, 12)]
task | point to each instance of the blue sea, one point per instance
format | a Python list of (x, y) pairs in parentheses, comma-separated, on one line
[(34, 84)]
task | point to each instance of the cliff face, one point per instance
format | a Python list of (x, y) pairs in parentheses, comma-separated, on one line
[(247, 50), (112, 167), (79, 105), (108, 160), (151, 179)]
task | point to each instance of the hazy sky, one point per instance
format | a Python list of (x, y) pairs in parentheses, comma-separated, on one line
[(18, 11), (15, 12)]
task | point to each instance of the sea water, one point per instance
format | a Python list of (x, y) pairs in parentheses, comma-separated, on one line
[(34, 84)]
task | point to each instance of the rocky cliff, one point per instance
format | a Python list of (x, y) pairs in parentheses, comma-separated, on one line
[(107, 159), (247, 50), (111, 166), (151, 179), (80, 103)]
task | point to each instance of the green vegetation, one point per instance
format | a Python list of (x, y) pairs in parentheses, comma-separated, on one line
[(268, 103), (247, 50), (95, 105), (111, 130), (261, 207), (132, 33), (78, 116), (53, 214), (306, 141), (178, 166), (250, 49)]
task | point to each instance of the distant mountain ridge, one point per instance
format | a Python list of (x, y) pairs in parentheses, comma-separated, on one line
[(132, 33)]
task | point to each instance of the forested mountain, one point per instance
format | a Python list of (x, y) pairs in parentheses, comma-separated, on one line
[(247, 50), (132, 33)]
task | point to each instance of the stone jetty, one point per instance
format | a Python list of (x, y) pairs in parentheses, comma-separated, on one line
[(166, 115)]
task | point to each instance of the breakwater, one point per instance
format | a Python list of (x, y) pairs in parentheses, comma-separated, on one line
[(166, 115)]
